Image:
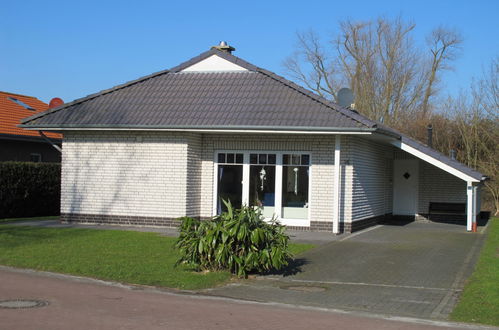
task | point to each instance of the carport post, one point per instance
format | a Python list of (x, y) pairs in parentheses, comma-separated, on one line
[(470, 207)]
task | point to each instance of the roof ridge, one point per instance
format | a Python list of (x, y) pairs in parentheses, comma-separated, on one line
[(17, 94), (94, 95), (348, 113)]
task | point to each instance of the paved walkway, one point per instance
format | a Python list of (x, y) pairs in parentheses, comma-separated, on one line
[(414, 270), (78, 303)]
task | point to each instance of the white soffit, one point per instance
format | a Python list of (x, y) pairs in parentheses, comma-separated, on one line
[(421, 155), (214, 63)]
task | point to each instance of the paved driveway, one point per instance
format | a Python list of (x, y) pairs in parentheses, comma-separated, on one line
[(417, 269)]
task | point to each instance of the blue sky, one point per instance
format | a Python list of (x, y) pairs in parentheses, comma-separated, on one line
[(71, 49)]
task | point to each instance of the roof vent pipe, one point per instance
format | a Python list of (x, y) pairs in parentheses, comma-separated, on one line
[(224, 47), (430, 136), (453, 154)]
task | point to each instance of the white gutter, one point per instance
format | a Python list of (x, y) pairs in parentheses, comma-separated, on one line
[(202, 130)]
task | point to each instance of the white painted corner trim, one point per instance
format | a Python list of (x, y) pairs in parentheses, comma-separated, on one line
[(214, 63), (421, 155)]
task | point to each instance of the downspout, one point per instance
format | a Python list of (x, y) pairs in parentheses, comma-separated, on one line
[(50, 141)]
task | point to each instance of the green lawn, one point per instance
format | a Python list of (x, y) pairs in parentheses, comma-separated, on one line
[(123, 256), (55, 217), (480, 299)]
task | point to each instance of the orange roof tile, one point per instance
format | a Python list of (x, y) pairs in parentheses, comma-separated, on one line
[(11, 114)]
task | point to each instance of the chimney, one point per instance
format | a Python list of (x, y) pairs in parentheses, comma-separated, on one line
[(55, 102), (430, 135), (224, 47), (453, 154)]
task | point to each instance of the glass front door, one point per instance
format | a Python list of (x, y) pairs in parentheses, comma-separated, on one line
[(277, 183), (262, 183)]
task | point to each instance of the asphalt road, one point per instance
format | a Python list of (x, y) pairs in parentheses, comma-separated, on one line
[(76, 303)]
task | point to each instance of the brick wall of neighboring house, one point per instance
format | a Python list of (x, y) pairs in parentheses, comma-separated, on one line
[(20, 151)]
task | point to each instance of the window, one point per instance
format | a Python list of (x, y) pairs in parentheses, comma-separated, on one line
[(35, 158), (295, 180), (275, 182), (229, 178), (230, 158), (21, 103)]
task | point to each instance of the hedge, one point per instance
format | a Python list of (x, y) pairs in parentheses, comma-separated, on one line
[(29, 189)]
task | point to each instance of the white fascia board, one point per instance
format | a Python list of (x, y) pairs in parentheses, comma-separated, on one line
[(202, 130), (214, 63), (421, 155)]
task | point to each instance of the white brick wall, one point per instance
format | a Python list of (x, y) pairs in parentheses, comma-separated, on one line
[(368, 183), (125, 173), (194, 155), (435, 185)]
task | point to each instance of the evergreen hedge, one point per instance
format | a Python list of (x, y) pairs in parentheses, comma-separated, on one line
[(29, 189)]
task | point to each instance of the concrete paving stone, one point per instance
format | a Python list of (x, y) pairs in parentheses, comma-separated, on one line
[(415, 270)]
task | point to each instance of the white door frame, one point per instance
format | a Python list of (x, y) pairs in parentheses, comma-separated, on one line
[(278, 182)]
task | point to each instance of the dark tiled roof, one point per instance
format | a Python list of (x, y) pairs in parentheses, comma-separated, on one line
[(253, 99), (173, 99)]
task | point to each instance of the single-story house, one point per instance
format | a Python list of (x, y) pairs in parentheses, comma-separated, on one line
[(177, 142), (17, 144)]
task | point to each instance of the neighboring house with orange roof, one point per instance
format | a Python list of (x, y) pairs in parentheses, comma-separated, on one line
[(17, 144)]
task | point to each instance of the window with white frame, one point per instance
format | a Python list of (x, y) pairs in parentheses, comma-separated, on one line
[(295, 182), (276, 182)]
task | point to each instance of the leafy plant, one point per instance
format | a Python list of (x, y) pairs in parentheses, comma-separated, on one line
[(239, 241)]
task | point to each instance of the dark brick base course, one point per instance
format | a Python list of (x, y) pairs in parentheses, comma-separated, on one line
[(364, 223), (324, 226), (119, 220)]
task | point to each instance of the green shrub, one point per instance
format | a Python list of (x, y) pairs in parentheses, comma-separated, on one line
[(29, 189), (237, 240)]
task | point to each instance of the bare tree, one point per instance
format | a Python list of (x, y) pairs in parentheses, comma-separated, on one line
[(379, 61), (312, 66), (444, 45), (474, 117)]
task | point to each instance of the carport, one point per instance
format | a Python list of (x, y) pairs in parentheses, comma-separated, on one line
[(432, 186)]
